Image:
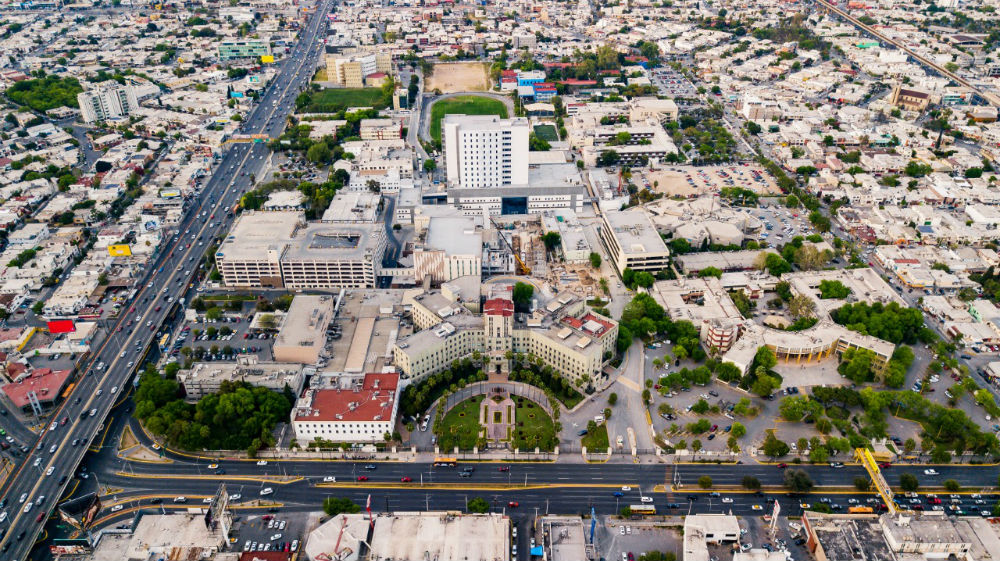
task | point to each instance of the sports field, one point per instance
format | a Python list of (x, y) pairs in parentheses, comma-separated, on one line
[(455, 77), (463, 105), (332, 100)]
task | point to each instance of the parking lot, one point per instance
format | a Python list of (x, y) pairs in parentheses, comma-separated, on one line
[(274, 531), (673, 84), (618, 538), (222, 339), (688, 181), (782, 224)]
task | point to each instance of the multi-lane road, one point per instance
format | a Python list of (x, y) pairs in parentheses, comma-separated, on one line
[(48, 467)]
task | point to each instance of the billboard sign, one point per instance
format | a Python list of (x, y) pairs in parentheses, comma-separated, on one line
[(61, 326), (120, 250), (265, 59)]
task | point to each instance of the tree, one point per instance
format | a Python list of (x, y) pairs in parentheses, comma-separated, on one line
[(705, 482), (333, 506), (612, 399), (738, 430), (750, 482), (908, 482), (430, 165), (797, 481), (522, 294), (753, 128), (765, 385), (951, 485), (478, 505), (862, 484), (773, 447), (801, 306), (595, 260), (551, 240), (319, 153), (833, 289)]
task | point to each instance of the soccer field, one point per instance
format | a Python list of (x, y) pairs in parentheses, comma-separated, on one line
[(463, 105)]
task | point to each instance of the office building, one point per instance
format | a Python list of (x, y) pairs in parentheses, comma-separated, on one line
[(380, 129), (485, 151), (633, 241), (352, 71), (250, 48), (206, 378), (107, 101)]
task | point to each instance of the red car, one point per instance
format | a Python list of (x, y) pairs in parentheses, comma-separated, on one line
[(934, 501), (917, 507), (156, 309), (362, 478), (406, 480), (503, 468), (884, 465), (513, 504), (782, 466)]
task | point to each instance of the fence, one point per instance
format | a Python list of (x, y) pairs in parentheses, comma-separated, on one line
[(526, 391)]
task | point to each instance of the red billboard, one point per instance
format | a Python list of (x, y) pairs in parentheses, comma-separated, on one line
[(61, 326)]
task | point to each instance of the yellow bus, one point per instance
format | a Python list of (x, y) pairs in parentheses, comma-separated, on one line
[(445, 462), (646, 509)]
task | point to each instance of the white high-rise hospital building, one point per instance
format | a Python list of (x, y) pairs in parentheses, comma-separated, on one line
[(485, 151)]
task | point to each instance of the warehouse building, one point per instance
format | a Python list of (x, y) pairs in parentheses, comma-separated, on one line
[(302, 335), (633, 241)]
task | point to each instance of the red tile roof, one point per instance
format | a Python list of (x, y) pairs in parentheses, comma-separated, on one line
[(45, 382), (375, 398), (265, 556), (499, 307)]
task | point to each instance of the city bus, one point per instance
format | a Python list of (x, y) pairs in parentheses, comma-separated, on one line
[(69, 390), (645, 510), (164, 341), (860, 510), (445, 462)]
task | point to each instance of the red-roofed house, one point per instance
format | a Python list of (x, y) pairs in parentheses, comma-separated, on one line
[(362, 409), (499, 307), (45, 382)]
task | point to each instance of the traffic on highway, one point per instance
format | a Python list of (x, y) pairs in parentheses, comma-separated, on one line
[(32, 490)]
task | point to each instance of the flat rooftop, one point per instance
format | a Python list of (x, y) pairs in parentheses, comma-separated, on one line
[(352, 206), (567, 538), (371, 398), (635, 232), (455, 235), (306, 321), (254, 234), (45, 382), (334, 242), (156, 536)]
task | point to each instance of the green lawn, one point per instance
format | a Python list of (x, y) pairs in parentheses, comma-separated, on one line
[(534, 427), (334, 99), (546, 133), (596, 441), (460, 426), (464, 105)]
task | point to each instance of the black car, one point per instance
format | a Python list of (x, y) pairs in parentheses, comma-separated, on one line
[(469, 468), (20, 536), (155, 501), (5, 547), (692, 498)]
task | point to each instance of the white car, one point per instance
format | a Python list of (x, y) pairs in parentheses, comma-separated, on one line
[(329, 479), (646, 499), (235, 497), (930, 472), (116, 508), (213, 466), (727, 500), (266, 491), (49, 471), (621, 530), (626, 488), (262, 463)]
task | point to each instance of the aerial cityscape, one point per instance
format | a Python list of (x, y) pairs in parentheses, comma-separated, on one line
[(500, 280)]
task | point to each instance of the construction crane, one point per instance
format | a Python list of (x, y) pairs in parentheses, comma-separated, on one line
[(524, 268)]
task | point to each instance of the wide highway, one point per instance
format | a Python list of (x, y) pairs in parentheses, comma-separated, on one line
[(30, 494)]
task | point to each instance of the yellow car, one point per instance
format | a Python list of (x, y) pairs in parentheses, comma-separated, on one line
[(757, 507)]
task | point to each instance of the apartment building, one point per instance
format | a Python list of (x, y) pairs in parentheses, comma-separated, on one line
[(351, 71), (485, 151), (380, 129), (107, 101)]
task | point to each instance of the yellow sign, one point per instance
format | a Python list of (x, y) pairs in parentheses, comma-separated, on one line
[(122, 250), (264, 59)]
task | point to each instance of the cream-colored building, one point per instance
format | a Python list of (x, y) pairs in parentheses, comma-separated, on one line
[(302, 335), (350, 71), (380, 129), (633, 241), (574, 341)]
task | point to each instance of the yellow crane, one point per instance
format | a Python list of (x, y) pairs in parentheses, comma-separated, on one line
[(526, 269)]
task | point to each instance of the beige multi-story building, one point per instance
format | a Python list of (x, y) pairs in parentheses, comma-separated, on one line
[(302, 334), (574, 341), (380, 129), (280, 250), (351, 71), (633, 241)]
